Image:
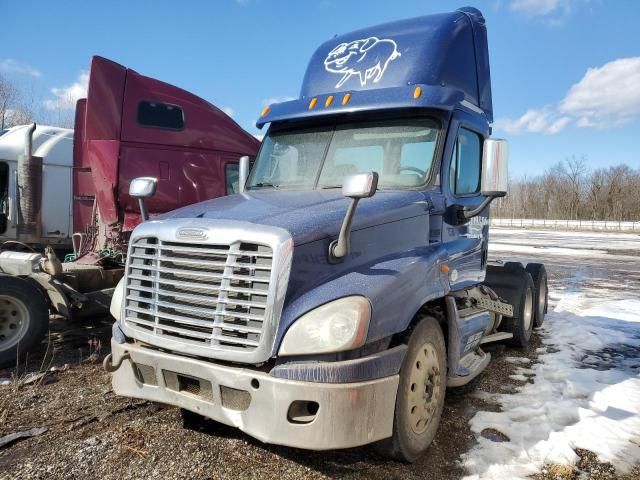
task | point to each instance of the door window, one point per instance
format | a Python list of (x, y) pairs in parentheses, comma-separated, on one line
[(232, 175), (466, 162)]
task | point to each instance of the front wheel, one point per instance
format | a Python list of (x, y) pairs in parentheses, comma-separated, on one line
[(24, 318), (421, 392)]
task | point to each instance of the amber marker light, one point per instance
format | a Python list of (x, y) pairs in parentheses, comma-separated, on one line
[(417, 92), (313, 103), (265, 110), (346, 98), (444, 268), (328, 101)]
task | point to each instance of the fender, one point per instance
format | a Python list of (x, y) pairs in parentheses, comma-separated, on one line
[(397, 288)]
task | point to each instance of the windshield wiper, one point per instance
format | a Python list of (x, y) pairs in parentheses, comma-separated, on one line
[(327, 187), (263, 185)]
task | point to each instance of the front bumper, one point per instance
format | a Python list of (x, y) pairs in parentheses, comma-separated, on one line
[(265, 407)]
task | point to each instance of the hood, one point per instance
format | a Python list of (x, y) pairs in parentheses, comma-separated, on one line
[(308, 215)]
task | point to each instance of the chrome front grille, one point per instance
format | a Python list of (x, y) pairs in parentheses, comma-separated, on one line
[(207, 295)]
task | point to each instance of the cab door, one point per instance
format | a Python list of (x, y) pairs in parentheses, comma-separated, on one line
[(466, 241), (7, 203)]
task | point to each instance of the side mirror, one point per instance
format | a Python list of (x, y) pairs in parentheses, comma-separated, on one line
[(360, 185), (495, 178), (495, 168), (243, 173), (355, 187), (143, 188)]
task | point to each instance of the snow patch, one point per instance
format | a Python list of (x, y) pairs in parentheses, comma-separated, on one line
[(585, 394)]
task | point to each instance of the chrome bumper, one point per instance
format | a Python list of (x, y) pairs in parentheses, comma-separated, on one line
[(348, 414)]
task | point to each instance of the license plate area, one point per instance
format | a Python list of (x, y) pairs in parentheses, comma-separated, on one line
[(188, 385)]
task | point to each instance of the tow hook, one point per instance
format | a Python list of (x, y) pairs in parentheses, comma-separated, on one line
[(110, 367)]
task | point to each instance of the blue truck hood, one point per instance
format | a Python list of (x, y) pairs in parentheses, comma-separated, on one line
[(309, 215)]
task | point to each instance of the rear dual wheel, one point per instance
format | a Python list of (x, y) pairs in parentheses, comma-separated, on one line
[(515, 285), (541, 293)]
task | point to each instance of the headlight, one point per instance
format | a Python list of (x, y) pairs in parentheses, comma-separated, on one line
[(333, 327)]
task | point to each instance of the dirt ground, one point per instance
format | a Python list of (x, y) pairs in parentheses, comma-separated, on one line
[(93, 434)]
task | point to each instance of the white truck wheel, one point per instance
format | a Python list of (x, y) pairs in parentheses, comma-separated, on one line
[(24, 318)]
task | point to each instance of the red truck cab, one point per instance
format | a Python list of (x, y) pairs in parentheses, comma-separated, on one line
[(131, 125)]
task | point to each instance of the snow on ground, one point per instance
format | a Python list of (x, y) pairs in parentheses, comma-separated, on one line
[(586, 384)]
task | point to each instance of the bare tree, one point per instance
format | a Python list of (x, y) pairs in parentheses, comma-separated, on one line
[(14, 110)]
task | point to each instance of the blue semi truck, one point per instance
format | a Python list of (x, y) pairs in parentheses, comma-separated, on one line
[(332, 302)]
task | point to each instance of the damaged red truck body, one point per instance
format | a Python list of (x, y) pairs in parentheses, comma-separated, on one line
[(129, 126)]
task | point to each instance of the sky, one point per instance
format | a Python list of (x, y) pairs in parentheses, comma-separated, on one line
[(565, 73)]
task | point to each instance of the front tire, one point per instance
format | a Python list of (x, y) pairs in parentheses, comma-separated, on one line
[(24, 318), (421, 392)]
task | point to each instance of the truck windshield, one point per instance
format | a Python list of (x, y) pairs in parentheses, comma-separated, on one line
[(400, 151)]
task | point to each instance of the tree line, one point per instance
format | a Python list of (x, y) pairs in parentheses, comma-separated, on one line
[(569, 190)]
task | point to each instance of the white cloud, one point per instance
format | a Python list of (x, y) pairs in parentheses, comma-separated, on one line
[(535, 8), (606, 96), (544, 120), (66, 97), (228, 110), (13, 66)]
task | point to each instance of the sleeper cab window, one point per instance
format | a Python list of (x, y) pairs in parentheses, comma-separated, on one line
[(160, 115), (466, 163)]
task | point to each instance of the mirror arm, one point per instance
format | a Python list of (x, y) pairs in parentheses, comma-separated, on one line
[(477, 210), (338, 249), (144, 211)]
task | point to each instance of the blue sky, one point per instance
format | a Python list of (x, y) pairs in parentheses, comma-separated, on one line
[(565, 73)]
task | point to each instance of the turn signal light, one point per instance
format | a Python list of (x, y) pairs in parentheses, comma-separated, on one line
[(417, 92)]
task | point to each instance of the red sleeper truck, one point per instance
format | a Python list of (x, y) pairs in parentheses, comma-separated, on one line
[(129, 126)]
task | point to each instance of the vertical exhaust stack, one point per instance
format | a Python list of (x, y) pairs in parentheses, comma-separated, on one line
[(29, 191)]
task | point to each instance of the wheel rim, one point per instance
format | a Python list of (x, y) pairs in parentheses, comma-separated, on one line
[(424, 388), (14, 321), (528, 310), (542, 297)]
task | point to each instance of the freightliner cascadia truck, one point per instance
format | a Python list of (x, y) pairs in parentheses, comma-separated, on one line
[(59, 187), (332, 302)]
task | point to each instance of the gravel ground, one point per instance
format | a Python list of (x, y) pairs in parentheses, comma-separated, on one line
[(91, 433)]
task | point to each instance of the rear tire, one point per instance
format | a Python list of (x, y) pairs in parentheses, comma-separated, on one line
[(421, 392), (24, 318), (539, 276), (516, 287)]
